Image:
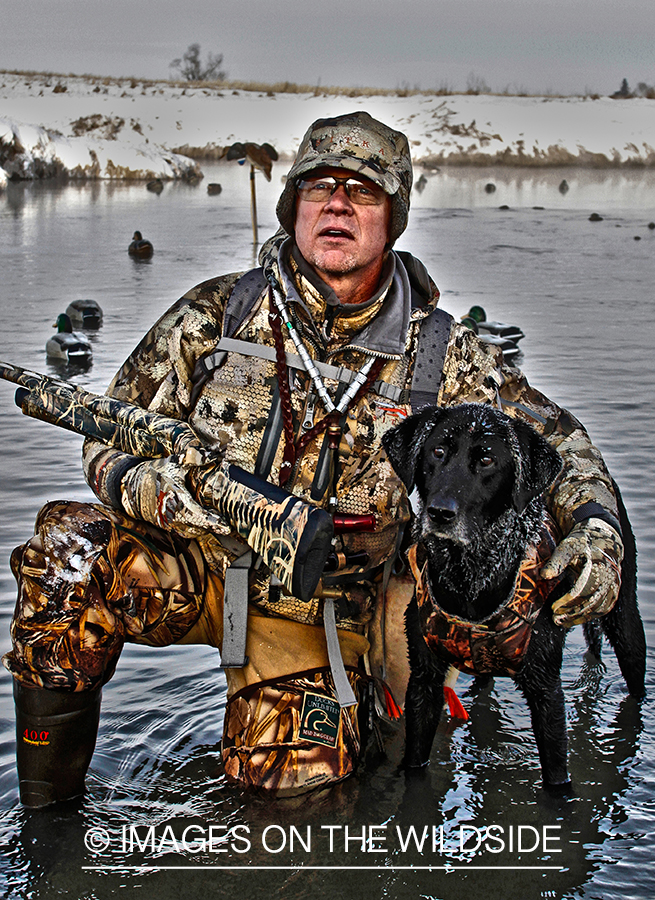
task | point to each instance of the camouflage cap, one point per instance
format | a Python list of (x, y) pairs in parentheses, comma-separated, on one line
[(357, 142)]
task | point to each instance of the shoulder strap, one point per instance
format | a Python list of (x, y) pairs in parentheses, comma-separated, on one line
[(430, 357), (240, 302), (242, 299)]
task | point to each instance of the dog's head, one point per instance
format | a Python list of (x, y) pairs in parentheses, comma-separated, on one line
[(470, 464)]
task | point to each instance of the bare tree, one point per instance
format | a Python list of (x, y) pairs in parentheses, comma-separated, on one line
[(191, 67), (624, 92), (475, 84)]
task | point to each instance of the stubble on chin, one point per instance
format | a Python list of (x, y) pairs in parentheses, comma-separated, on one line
[(330, 263)]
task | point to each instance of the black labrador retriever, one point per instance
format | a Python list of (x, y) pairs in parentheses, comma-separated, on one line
[(480, 537)]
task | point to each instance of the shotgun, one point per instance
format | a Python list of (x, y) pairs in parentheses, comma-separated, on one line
[(293, 538)]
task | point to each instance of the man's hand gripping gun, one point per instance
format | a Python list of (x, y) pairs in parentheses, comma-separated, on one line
[(293, 538)]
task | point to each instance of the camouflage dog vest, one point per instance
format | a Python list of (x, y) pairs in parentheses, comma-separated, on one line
[(496, 645)]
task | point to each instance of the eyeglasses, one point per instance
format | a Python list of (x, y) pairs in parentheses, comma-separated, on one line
[(318, 190)]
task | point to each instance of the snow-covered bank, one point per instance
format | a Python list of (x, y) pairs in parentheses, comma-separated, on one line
[(32, 151), (107, 128)]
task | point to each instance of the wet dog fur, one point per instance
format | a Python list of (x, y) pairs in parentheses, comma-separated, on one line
[(480, 477)]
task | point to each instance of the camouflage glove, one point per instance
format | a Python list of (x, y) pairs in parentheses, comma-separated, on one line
[(156, 492), (593, 550)]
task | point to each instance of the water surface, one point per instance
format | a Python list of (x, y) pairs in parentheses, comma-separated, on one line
[(583, 293)]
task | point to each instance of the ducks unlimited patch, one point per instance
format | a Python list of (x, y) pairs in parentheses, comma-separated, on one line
[(319, 719)]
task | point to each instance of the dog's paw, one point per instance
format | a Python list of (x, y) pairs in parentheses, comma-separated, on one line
[(414, 768), (563, 789)]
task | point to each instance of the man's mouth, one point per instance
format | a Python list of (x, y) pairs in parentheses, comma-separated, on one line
[(336, 233)]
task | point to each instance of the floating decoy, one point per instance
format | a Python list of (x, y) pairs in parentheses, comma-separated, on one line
[(139, 247), (500, 329), (260, 156), (214, 188), (564, 186), (594, 217), (421, 183), (490, 188), (68, 345), (85, 313), (508, 347), (156, 186)]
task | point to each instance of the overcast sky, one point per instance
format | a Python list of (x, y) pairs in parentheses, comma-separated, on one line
[(563, 46)]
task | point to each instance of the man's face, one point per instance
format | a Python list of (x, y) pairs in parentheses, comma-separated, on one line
[(338, 237)]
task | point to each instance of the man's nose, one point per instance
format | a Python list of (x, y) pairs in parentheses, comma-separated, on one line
[(339, 201)]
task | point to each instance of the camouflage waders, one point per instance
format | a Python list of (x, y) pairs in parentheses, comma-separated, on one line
[(77, 607)]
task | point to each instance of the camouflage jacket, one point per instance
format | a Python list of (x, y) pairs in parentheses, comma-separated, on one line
[(231, 410)]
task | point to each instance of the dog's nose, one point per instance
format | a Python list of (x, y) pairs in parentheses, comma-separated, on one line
[(442, 512)]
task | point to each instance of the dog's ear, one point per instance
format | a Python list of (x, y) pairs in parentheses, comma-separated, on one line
[(404, 442), (537, 468)]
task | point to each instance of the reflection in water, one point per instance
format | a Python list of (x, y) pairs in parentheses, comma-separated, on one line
[(581, 292), (592, 189)]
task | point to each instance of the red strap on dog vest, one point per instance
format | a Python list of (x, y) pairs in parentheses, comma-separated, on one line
[(455, 708), (393, 710)]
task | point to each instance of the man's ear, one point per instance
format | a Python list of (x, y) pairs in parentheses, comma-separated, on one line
[(403, 444), (538, 466)]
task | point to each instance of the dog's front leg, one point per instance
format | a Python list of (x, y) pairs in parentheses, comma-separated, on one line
[(424, 699), (540, 682)]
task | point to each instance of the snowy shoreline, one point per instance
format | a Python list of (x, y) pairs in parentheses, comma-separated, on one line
[(86, 127)]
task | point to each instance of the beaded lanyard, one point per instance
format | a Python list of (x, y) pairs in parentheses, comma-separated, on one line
[(313, 372), (364, 378)]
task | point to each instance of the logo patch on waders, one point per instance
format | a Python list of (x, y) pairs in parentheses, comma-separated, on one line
[(319, 719)]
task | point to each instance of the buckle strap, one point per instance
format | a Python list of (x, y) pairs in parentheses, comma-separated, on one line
[(294, 361), (342, 689), (235, 613)]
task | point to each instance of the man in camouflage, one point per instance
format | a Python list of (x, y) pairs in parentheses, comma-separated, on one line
[(144, 566)]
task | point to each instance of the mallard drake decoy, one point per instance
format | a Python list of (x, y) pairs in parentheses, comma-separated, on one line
[(508, 346), (85, 313), (68, 345), (260, 156), (139, 247), (510, 332)]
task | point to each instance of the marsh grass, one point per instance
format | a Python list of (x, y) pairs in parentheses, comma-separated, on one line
[(51, 79)]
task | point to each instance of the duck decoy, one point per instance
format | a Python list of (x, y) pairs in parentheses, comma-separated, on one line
[(140, 248), (260, 156), (563, 186), (68, 345), (508, 347), (214, 188), (509, 332), (420, 183), (85, 313), (156, 186)]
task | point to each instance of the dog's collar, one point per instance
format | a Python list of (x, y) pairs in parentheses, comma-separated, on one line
[(496, 645)]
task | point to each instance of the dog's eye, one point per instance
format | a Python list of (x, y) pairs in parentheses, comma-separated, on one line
[(486, 461), (438, 452)]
